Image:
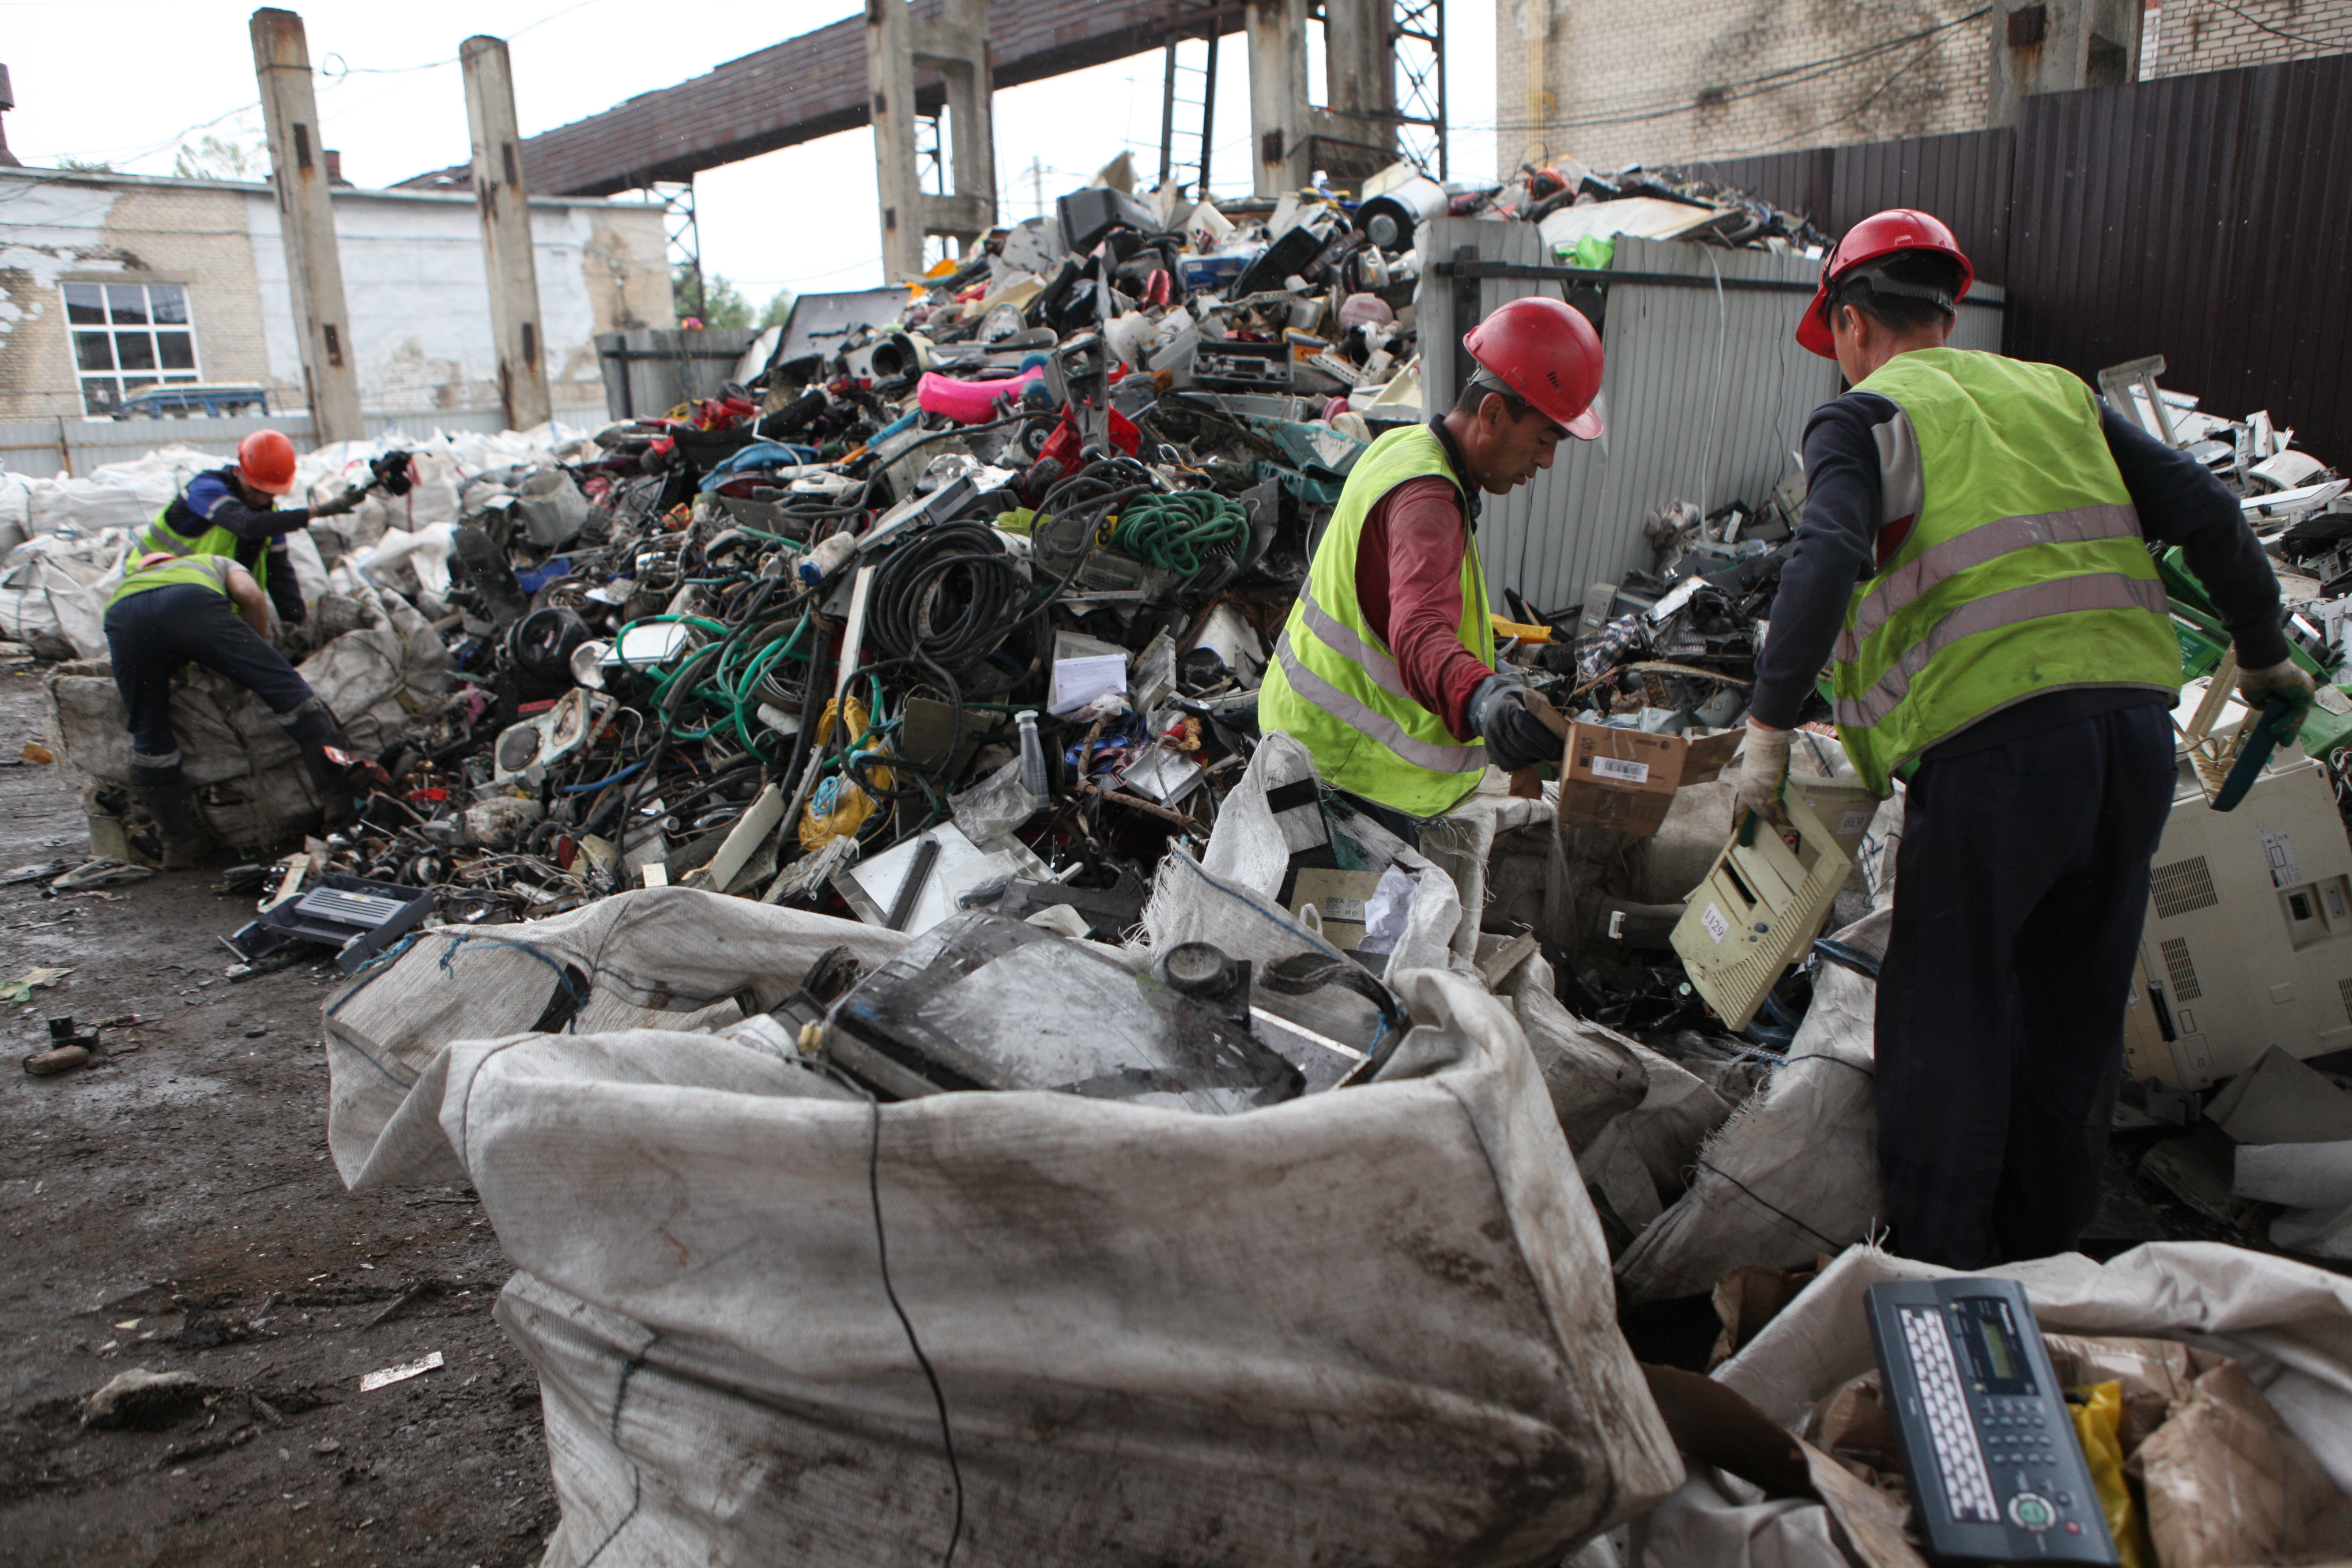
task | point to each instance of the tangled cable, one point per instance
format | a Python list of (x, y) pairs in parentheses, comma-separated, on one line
[(948, 598), (1174, 531)]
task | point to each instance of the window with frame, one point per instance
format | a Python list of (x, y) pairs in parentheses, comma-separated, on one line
[(127, 336)]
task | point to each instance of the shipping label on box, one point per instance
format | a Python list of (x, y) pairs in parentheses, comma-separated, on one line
[(1625, 780)]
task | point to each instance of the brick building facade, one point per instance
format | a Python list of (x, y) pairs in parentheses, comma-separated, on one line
[(2184, 36), (1679, 81), (108, 282)]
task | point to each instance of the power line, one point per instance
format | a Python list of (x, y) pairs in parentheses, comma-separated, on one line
[(2275, 32), (1754, 87)]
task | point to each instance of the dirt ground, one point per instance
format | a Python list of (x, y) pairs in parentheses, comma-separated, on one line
[(173, 1207)]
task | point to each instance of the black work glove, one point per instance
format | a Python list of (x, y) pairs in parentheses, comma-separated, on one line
[(1515, 738), (351, 496)]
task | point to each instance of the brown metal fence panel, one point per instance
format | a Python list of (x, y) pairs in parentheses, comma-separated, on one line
[(2203, 218), (1962, 178)]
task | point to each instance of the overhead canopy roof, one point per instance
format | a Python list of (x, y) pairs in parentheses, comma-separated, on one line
[(814, 85)]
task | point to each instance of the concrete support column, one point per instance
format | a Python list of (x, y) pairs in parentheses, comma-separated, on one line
[(2058, 46), (890, 89), (505, 207), (955, 45), (1359, 66), (1278, 107), (289, 110), (1535, 37)]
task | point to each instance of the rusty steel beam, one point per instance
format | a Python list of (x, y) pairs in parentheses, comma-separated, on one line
[(816, 84)]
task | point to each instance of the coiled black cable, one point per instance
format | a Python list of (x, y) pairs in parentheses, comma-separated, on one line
[(947, 598)]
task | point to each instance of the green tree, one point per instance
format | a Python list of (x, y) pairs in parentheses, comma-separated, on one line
[(74, 165), (780, 309), (210, 157), (717, 303)]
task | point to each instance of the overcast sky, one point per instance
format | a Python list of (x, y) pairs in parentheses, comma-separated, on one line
[(126, 81)]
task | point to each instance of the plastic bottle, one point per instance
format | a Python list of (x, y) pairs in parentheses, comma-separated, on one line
[(1033, 758), (825, 559)]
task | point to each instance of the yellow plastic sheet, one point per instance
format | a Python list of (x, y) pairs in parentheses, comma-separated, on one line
[(839, 807), (2097, 1425)]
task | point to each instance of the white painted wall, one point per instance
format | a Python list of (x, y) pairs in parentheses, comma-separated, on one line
[(52, 228), (413, 283), (420, 312)]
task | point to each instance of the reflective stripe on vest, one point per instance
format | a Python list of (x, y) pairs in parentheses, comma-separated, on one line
[(2025, 571), (160, 535), (1453, 759), (2060, 597), (188, 571), (1332, 685), (1895, 588), (1346, 642)]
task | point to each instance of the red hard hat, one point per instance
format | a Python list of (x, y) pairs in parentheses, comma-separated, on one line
[(266, 459), (1547, 351), (1877, 236)]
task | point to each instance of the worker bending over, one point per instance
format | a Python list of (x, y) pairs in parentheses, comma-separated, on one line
[(176, 610), (233, 511), (1385, 670), (1973, 564)]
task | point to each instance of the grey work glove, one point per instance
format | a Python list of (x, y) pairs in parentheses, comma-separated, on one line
[(1763, 776), (1515, 738), (351, 497), (2255, 685), (2286, 679)]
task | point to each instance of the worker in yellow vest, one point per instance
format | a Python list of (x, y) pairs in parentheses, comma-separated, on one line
[(233, 511), (1385, 670), (176, 610), (1973, 567)]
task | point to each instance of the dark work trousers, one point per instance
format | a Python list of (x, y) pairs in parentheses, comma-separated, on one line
[(2020, 889), (1397, 821), (151, 634)]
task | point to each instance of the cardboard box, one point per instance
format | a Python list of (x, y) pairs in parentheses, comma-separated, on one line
[(1626, 779)]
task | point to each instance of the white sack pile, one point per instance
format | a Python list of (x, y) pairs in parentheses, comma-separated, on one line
[(251, 787), (1369, 1325)]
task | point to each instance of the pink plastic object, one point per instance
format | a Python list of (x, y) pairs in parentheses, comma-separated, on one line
[(969, 402), (1361, 310)]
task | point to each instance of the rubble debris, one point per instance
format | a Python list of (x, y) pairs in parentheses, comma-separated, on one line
[(384, 1377), (138, 1397), (950, 622), (37, 978)]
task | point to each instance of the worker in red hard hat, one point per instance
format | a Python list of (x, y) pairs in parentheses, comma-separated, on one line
[(1973, 567), (1386, 670), (234, 511)]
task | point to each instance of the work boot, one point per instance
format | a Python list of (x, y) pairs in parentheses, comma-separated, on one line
[(327, 776), (182, 840)]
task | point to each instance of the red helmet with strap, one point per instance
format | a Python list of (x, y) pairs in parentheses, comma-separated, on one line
[(1875, 238), (1546, 352), (266, 459)]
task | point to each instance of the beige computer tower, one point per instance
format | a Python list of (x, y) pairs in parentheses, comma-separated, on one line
[(2249, 936)]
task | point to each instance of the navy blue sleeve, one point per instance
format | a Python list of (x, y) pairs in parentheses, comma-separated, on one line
[(2181, 502), (212, 498), (1835, 547), (285, 588)]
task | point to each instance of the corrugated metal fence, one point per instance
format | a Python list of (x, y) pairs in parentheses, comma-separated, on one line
[(1963, 178), (2201, 217), (1706, 393), (2207, 218), (44, 446)]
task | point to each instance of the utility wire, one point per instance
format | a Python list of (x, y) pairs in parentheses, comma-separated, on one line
[(2275, 32), (1772, 81)]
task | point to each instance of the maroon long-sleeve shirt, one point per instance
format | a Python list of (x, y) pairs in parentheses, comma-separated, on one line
[(1409, 582)]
